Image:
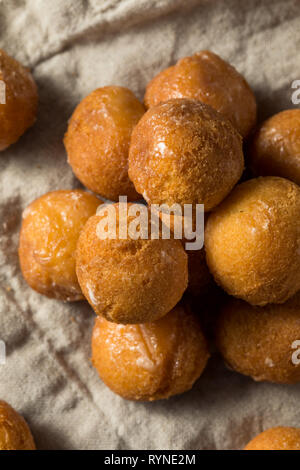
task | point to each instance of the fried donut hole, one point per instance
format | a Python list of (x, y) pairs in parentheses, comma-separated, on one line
[(14, 431), (50, 230), (279, 438), (252, 241), (185, 152), (153, 360), (129, 280), (97, 141), (261, 342), (18, 111), (276, 146), (206, 77)]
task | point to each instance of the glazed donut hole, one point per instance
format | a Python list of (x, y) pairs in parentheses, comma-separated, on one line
[(14, 431), (129, 280), (275, 149), (252, 241), (207, 78), (179, 149), (261, 342), (151, 361), (279, 438), (18, 113), (50, 229), (97, 141)]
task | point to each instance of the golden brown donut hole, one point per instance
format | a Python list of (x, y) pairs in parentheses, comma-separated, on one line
[(275, 149), (97, 141), (18, 113), (150, 361), (279, 438), (185, 152), (206, 77), (14, 432), (261, 342), (127, 280), (252, 241), (50, 229)]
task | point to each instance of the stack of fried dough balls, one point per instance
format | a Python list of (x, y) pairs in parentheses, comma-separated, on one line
[(145, 346), (14, 431), (183, 146), (252, 246)]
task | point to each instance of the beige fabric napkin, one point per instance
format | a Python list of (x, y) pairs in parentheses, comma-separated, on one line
[(73, 47)]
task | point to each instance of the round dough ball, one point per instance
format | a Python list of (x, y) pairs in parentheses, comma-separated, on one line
[(14, 432), (276, 146), (252, 241), (261, 342), (184, 152), (153, 360), (50, 230), (97, 141), (279, 438), (206, 77), (127, 280), (19, 111)]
